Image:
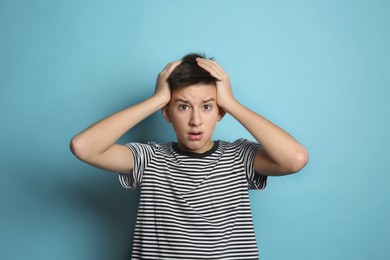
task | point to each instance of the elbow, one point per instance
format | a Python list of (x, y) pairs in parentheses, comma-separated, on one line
[(77, 148), (301, 158)]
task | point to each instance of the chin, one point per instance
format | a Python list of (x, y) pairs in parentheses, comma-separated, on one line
[(197, 147), (191, 147)]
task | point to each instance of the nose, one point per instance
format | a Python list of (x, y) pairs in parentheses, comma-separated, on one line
[(196, 119)]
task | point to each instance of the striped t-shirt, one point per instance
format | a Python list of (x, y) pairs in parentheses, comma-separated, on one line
[(194, 206)]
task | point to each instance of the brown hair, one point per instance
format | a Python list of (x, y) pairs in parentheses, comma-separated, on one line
[(188, 73)]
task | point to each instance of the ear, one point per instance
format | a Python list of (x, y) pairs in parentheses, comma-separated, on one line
[(222, 113), (165, 113)]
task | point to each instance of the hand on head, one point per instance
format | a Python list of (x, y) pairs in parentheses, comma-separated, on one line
[(224, 89), (162, 89)]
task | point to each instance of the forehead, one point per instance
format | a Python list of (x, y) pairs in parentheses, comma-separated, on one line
[(195, 92)]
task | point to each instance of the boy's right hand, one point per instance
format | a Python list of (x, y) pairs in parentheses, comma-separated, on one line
[(97, 145), (162, 90)]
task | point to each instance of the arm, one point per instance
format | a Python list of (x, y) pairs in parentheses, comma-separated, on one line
[(280, 153), (96, 144)]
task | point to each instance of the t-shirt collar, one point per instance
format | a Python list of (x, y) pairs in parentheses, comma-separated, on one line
[(195, 155)]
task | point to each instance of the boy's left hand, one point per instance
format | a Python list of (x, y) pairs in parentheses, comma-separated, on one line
[(224, 89)]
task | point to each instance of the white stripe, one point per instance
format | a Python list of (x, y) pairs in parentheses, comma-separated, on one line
[(194, 208)]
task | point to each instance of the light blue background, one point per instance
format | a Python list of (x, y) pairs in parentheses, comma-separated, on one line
[(319, 69)]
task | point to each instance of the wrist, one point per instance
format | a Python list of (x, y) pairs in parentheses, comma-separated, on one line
[(229, 105), (159, 101)]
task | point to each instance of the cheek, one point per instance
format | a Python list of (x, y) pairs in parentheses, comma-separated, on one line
[(212, 120), (178, 121)]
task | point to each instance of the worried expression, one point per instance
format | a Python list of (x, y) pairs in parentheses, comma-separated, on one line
[(193, 113)]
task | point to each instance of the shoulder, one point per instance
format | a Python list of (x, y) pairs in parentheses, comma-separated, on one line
[(239, 144), (242, 149), (150, 147)]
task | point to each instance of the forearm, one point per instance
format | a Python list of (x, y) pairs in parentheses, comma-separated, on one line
[(280, 146), (100, 136), (280, 153)]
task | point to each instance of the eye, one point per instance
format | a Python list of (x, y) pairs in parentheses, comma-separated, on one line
[(207, 107), (183, 107)]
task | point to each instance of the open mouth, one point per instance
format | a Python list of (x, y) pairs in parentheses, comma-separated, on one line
[(195, 136)]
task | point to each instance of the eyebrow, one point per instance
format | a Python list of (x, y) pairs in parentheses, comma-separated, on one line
[(186, 101), (209, 100), (181, 100)]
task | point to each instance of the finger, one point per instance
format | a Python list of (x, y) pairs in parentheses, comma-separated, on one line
[(214, 64), (173, 66), (168, 69), (165, 68), (214, 70)]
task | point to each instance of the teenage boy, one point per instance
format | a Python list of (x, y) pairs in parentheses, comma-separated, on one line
[(194, 200)]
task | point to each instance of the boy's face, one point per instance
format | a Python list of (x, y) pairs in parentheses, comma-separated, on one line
[(194, 113)]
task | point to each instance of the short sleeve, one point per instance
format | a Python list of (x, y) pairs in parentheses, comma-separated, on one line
[(142, 154), (247, 153)]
